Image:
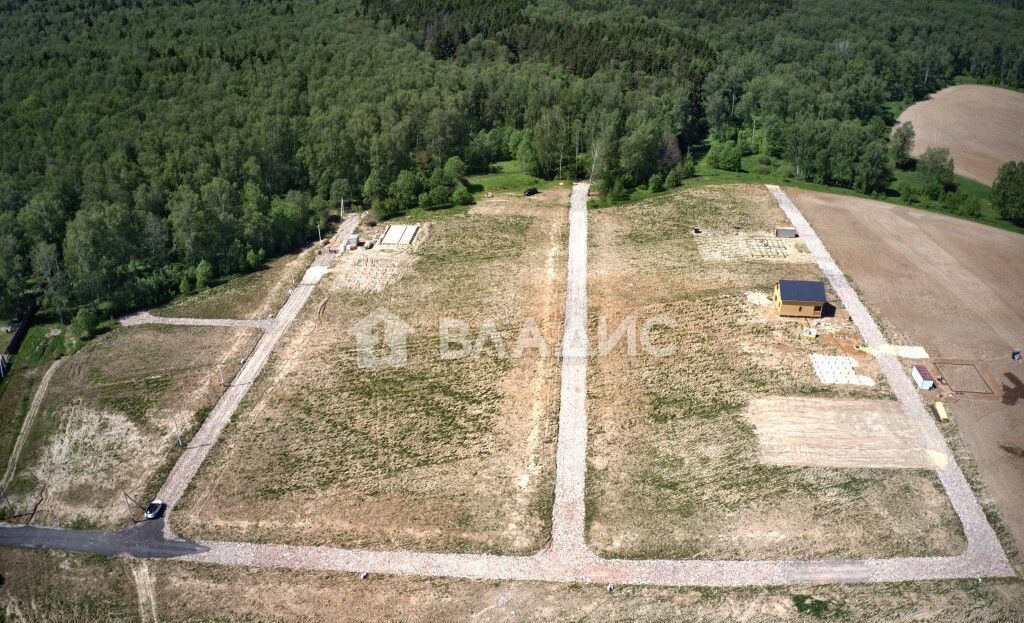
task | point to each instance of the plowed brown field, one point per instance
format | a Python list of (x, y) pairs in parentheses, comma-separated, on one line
[(979, 124)]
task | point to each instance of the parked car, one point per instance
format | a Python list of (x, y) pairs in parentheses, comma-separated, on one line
[(155, 509)]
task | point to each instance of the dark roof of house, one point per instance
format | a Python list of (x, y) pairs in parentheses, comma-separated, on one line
[(923, 371), (792, 290)]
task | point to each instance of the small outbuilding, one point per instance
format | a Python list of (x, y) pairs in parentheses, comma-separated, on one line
[(785, 232), (922, 376), (800, 299)]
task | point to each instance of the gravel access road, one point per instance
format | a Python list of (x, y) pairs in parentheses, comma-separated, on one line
[(144, 317)]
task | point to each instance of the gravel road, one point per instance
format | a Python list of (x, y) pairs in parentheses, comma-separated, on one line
[(567, 521), (144, 317)]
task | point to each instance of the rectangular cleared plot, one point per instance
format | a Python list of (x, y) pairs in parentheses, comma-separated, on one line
[(964, 377), (835, 433)]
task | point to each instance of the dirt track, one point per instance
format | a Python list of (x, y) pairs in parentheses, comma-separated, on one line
[(26, 425), (979, 124), (953, 287)]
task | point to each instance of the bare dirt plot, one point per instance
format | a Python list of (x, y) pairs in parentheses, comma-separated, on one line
[(540, 205), (674, 465), (979, 124), (45, 586), (437, 454), (252, 296), (954, 288), (964, 377), (373, 270), (835, 433), (755, 246), (107, 423)]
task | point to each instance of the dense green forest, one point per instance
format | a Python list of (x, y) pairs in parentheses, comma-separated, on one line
[(149, 147)]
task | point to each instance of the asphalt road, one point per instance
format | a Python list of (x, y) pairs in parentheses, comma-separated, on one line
[(144, 540)]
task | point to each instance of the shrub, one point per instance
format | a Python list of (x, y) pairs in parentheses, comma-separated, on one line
[(970, 207), (936, 167), (437, 197), (904, 189), (462, 197), (85, 323), (934, 189), (725, 156), (687, 168), (901, 142), (672, 179), (204, 275), (1008, 192), (655, 184), (254, 259)]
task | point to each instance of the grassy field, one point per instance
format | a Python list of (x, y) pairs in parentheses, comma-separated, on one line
[(674, 467), (508, 176), (436, 454), (107, 423), (15, 396), (54, 587), (43, 344), (251, 296)]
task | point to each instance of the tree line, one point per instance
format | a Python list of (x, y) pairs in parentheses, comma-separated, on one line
[(150, 148)]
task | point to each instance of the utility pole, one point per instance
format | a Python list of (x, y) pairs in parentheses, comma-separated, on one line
[(129, 501), (6, 500), (177, 432), (220, 373), (318, 236)]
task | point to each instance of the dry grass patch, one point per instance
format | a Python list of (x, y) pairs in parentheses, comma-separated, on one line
[(436, 454), (253, 296), (674, 464), (107, 423), (54, 587), (190, 593)]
